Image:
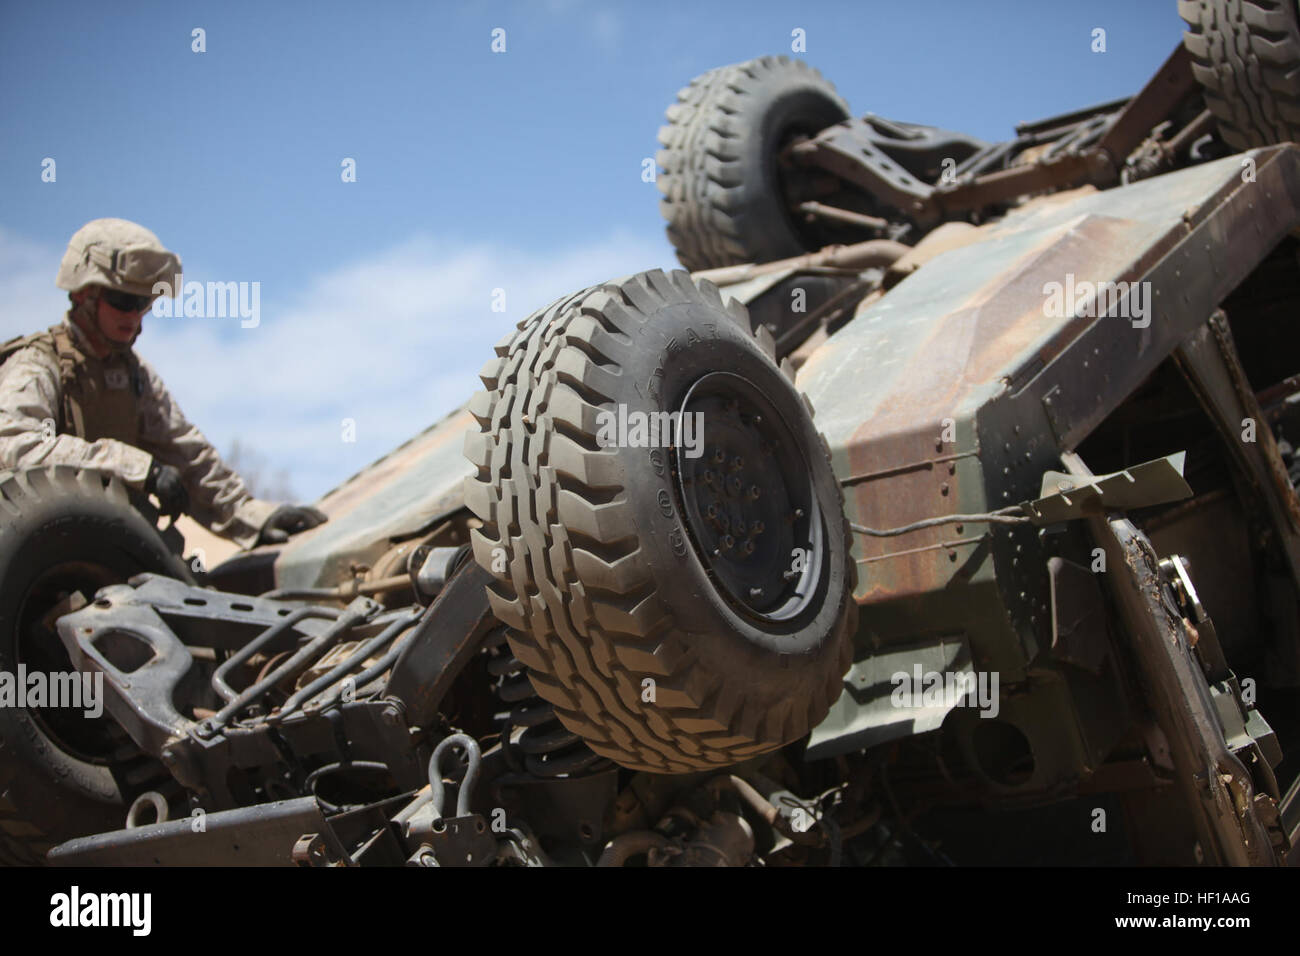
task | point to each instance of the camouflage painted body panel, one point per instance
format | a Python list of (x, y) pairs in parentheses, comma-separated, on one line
[(405, 492)]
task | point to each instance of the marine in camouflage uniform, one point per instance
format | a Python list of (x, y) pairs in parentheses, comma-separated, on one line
[(77, 394)]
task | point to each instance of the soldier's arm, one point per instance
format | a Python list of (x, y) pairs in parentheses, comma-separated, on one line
[(29, 408), (219, 500)]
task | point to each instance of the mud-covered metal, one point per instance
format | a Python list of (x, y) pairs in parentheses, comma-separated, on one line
[(958, 390)]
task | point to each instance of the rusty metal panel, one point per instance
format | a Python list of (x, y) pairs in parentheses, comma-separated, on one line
[(898, 391)]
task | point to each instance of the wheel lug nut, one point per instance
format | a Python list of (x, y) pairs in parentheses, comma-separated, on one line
[(734, 486), (719, 456), (726, 542), (747, 547), (754, 492), (737, 463), (756, 528), (740, 527)]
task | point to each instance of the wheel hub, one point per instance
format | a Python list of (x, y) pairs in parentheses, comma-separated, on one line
[(748, 499)]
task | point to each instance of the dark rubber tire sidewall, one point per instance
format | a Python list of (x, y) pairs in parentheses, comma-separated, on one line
[(697, 605), (60, 517)]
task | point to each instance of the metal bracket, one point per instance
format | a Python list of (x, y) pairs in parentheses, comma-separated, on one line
[(1066, 496)]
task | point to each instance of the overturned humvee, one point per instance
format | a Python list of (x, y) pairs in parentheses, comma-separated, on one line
[(1015, 582)]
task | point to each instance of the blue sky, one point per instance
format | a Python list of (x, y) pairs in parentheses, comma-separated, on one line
[(476, 170)]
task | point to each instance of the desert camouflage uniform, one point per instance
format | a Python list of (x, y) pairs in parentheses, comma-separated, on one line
[(60, 405)]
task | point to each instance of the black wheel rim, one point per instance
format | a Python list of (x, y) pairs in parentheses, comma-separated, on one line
[(92, 740), (748, 499)]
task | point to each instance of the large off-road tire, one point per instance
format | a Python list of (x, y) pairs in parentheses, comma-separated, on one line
[(726, 195), (63, 775), (1246, 56), (664, 647)]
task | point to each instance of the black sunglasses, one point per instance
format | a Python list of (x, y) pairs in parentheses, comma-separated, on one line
[(125, 302)]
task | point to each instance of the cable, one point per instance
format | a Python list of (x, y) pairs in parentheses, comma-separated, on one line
[(1009, 515)]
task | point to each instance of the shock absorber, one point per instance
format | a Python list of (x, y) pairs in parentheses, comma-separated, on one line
[(545, 748)]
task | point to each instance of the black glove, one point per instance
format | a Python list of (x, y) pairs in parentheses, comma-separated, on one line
[(289, 519), (164, 483)]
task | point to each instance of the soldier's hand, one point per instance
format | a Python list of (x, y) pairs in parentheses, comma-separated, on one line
[(289, 519), (164, 483)]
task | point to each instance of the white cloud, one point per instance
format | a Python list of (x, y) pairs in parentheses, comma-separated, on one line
[(393, 341)]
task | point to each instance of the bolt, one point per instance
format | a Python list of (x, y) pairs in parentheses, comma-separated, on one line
[(747, 548), (391, 715), (758, 419), (754, 492), (726, 542)]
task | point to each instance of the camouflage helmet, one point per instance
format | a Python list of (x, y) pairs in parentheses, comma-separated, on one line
[(120, 255)]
